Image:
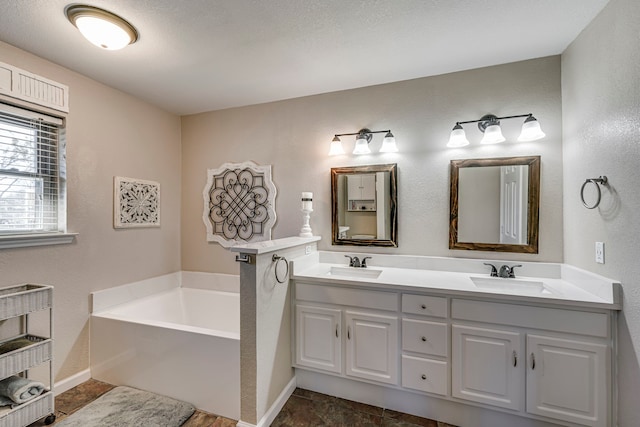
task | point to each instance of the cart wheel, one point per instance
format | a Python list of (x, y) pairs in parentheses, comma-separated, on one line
[(51, 418)]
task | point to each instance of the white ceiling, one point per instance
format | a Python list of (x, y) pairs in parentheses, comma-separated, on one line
[(203, 55)]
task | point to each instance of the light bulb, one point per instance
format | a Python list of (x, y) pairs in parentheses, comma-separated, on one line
[(362, 145), (336, 147), (492, 134), (531, 130)]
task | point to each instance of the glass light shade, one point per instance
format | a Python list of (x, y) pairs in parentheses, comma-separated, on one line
[(336, 147), (531, 130), (389, 144), (492, 134), (362, 146), (457, 138), (102, 28)]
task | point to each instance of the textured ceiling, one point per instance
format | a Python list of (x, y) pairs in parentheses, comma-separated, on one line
[(202, 55)]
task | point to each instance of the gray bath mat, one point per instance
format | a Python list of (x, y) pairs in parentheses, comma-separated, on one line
[(125, 406)]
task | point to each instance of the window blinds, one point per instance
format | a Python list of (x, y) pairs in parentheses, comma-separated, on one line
[(32, 181)]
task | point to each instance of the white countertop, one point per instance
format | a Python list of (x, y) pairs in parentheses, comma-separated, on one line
[(574, 288)]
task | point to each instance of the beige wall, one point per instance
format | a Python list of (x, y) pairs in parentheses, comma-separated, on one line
[(109, 133), (294, 137), (601, 115)]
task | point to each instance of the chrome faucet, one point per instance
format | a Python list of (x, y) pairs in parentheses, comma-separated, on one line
[(354, 261), (507, 272)]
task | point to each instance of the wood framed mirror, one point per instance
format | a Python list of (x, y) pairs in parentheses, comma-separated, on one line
[(364, 205), (494, 204)]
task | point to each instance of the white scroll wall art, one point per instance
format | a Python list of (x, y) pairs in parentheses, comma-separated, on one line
[(136, 203), (239, 204)]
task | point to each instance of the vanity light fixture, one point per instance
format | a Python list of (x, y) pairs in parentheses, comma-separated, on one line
[(489, 125), (101, 27), (363, 138)]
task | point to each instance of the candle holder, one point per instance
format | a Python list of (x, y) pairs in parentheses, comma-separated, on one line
[(307, 208), (306, 228)]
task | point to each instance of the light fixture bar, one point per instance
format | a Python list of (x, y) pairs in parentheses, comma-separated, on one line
[(488, 117), (362, 131)]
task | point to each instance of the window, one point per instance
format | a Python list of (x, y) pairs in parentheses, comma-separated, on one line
[(32, 173)]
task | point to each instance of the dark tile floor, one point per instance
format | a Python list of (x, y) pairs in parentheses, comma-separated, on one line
[(303, 409)]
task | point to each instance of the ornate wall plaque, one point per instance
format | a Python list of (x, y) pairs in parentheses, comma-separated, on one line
[(136, 203), (239, 204)]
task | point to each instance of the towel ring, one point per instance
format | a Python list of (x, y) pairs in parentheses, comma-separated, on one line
[(275, 258), (597, 182)]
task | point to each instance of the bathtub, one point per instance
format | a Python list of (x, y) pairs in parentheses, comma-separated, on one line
[(179, 336)]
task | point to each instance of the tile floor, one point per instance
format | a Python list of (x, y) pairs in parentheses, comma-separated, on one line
[(303, 409)]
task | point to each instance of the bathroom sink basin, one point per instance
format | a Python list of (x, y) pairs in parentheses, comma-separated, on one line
[(520, 286), (364, 273)]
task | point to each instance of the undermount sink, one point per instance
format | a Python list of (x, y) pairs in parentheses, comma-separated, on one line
[(365, 273), (520, 286)]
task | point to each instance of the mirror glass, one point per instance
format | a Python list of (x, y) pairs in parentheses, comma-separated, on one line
[(494, 204), (364, 205)]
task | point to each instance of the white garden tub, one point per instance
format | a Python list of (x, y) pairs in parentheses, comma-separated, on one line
[(180, 338)]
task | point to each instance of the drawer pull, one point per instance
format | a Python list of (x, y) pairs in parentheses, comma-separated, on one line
[(424, 339), (515, 359), (423, 306), (424, 377)]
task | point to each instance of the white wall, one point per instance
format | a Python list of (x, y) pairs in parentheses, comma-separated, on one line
[(108, 133), (294, 137), (601, 118)]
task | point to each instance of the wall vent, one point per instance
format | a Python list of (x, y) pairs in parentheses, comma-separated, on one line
[(30, 87)]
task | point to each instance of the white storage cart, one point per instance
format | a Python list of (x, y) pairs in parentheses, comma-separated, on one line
[(24, 351)]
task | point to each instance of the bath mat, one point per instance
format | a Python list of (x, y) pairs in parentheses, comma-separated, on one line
[(125, 406)]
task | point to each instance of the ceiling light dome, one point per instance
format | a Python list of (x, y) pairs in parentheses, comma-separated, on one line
[(102, 28)]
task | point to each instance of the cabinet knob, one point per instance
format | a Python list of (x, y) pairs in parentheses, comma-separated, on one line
[(424, 377), (424, 307), (424, 339)]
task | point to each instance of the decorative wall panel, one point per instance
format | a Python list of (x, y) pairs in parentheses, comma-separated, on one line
[(239, 204), (136, 203)]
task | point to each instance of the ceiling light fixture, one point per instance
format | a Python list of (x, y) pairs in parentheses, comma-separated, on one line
[(363, 138), (489, 125), (101, 27)]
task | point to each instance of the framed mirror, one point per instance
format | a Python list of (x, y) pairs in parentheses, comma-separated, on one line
[(494, 204), (364, 205)]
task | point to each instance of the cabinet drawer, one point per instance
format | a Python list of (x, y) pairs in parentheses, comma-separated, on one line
[(425, 374), (347, 296), (422, 304), (425, 337), (551, 319)]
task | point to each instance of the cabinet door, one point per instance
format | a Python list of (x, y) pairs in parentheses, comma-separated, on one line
[(372, 347), (487, 366), (369, 186), (318, 341), (567, 380)]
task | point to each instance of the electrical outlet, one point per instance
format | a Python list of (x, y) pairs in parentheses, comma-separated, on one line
[(600, 252), (307, 250)]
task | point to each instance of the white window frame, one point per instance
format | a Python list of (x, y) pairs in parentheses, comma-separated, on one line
[(36, 236)]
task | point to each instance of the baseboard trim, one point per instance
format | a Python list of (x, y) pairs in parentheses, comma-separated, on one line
[(72, 381), (273, 411)]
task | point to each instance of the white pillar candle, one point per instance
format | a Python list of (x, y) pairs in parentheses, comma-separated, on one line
[(307, 200)]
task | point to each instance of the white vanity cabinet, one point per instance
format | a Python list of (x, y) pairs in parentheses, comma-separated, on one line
[(359, 327), (520, 357), (558, 359)]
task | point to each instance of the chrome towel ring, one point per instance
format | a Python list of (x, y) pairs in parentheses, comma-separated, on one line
[(275, 258), (597, 182)]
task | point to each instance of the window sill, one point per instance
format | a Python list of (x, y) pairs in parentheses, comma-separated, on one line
[(26, 240)]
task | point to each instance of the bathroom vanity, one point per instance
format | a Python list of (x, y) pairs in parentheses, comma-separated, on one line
[(541, 346)]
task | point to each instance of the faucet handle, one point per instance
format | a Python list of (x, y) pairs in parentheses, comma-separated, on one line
[(350, 260), (494, 270), (363, 263), (512, 274)]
